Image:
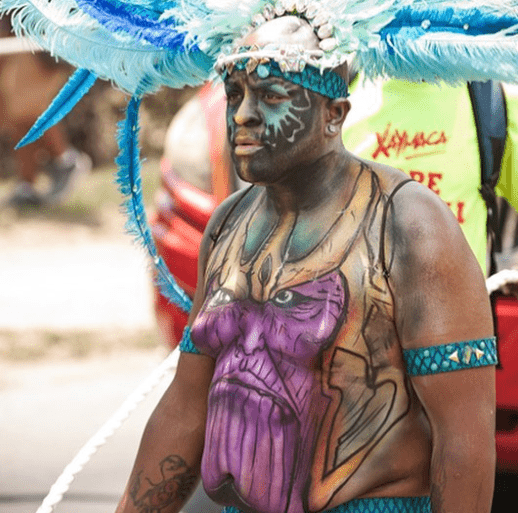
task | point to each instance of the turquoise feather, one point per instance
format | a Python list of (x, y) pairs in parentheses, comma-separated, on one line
[(439, 42), (130, 186), (430, 44), (63, 29), (191, 33), (76, 87)]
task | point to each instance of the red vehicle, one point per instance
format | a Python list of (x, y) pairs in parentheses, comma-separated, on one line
[(195, 179), (507, 385), (197, 176)]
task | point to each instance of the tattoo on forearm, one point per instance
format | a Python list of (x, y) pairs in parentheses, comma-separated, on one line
[(177, 482)]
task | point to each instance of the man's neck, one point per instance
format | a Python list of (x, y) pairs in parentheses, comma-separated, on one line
[(310, 187)]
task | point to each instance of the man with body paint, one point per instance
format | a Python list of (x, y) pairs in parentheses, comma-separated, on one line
[(339, 352)]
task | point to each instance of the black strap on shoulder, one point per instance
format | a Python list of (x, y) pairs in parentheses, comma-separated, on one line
[(490, 112), (386, 272), (215, 235)]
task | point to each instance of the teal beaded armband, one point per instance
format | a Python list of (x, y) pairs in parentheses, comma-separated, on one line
[(186, 344), (451, 357)]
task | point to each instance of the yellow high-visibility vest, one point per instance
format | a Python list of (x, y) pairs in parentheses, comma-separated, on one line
[(429, 132)]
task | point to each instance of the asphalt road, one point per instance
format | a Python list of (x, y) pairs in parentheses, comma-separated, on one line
[(50, 409)]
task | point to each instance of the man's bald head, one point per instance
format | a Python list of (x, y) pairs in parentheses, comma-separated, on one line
[(287, 30)]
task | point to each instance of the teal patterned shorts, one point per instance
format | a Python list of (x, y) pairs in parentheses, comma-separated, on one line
[(375, 505)]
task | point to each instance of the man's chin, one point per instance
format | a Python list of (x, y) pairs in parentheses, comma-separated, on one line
[(254, 176)]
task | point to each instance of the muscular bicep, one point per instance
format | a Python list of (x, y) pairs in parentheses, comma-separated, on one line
[(460, 407), (444, 323), (440, 294)]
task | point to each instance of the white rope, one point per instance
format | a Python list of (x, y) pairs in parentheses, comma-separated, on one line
[(500, 279), (62, 484)]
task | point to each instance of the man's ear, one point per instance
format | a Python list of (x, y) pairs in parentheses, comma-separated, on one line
[(337, 111)]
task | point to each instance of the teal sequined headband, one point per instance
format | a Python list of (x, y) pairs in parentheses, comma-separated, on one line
[(293, 64)]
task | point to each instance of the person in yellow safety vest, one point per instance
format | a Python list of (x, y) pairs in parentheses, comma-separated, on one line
[(430, 133)]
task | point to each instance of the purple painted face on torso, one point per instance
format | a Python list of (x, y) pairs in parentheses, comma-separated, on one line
[(265, 401)]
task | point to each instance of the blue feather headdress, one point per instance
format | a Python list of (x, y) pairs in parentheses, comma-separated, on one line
[(141, 45)]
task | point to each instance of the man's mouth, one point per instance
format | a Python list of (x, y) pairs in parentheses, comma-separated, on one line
[(244, 146)]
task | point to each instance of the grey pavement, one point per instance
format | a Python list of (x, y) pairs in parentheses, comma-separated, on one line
[(75, 283), (72, 278), (50, 409)]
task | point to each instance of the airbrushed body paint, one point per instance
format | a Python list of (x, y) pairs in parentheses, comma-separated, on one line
[(307, 381)]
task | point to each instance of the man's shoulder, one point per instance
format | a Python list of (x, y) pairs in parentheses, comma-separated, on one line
[(386, 177), (423, 227), (412, 209), (233, 205), (225, 212)]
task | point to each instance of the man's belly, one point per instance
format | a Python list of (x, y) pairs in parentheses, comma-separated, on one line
[(251, 447), (262, 455)]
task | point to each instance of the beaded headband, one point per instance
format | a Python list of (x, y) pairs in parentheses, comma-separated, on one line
[(294, 64)]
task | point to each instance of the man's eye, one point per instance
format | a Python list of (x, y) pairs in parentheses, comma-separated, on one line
[(288, 299), (273, 97), (220, 298), (233, 97)]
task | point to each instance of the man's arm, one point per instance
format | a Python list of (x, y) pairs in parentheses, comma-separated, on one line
[(167, 465), (440, 298)]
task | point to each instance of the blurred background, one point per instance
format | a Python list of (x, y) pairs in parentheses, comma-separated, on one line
[(77, 326), (62, 245)]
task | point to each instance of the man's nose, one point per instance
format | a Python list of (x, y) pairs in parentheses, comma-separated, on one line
[(253, 333), (247, 113)]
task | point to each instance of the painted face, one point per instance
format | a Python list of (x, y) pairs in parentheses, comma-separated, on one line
[(303, 390), (265, 398), (274, 127)]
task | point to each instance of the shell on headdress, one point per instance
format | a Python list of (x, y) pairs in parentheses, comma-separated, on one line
[(251, 65), (311, 11), (301, 6), (279, 10), (258, 20), (321, 18), (328, 44), (269, 12), (325, 31)]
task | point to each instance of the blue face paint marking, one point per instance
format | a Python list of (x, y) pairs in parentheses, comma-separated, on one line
[(286, 120), (272, 118)]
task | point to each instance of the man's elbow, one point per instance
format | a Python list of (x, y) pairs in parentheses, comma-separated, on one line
[(467, 455)]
